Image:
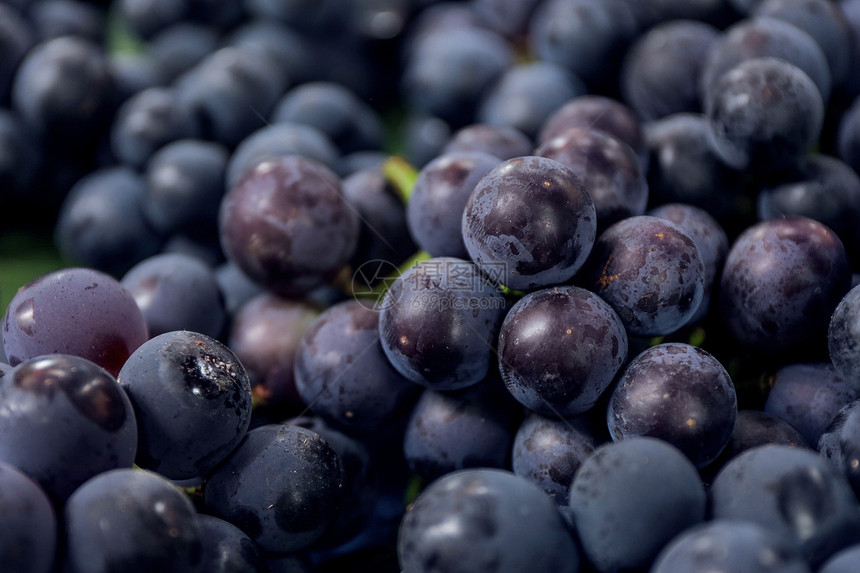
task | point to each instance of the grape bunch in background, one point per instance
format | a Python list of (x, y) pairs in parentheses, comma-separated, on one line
[(422, 286)]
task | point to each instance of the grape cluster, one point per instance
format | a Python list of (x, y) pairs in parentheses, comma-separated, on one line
[(423, 286)]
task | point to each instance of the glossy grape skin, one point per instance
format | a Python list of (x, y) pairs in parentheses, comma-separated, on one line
[(651, 273), (729, 546), (87, 424), (765, 114), (454, 430), (224, 548), (808, 396), (683, 167), (609, 169), (559, 350), (762, 37), (131, 520), (343, 375), (629, 498), (265, 335), (844, 561), (470, 521), (439, 321), (548, 450), (287, 225), (52, 314), (843, 335), (530, 219), (678, 393), (782, 280), (823, 188), (502, 141), (277, 140), (660, 72), (191, 373), (384, 233), (185, 184), (792, 491), (177, 292), (283, 486), (28, 534), (335, 110), (439, 197), (526, 94), (710, 239), (840, 443), (598, 112)]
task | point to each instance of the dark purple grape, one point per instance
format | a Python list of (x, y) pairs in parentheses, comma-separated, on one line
[(792, 491), (765, 114), (660, 72), (630, 498), (181, 46), (470, 521), (177, 292), (510, 18), (134, 521), (307, 15), (192, 401), (848, 132), (782, 280), (224, 548), (343, 375), (763, 37), (350, 123), (425, 137), (609, 169), (235, 286), (808, 396), (598, 112), (529, 223), (292, 50), (840, 443), (845, 561), (184, 186), (134, 72), (55, 18), (710, 239), (714, 12), (265, 335), (287, 225), (439, 321), (843, 335), (469, 428), (678, 393), (28, 533), (559, 350), (650, 272), (548, 451), (283, 486), (85, 425), (729, 546), (439, 197), (502, 141), (526, 94), (146, 17), (54, 314)]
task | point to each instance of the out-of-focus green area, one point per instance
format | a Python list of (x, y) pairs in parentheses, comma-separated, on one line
[(24, 257)]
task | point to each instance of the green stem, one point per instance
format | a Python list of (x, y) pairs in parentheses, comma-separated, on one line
[(401, 175)]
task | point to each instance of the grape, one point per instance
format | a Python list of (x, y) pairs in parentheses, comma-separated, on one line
[(287, 225), (559, 350), (439, 197), (291, 50), (195, 375), (530, 222), (765, 114), (225, 548), (844, 561), (53, 314), (426, 136), (133, 73), (678, 393), (509, 18), (86, 424), (470, 521), (650, 272), (265, 335), (848, 134), (548, 451), (439, 321), (609, 169), (502, 141), (782, 280), (28, 534), (343, 375), (55, 18), (729, 546), (630, 498), (176, 292), (843, 335), (181, 46), (283, 486), (792, 491), (131, 520), (146, 17)]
